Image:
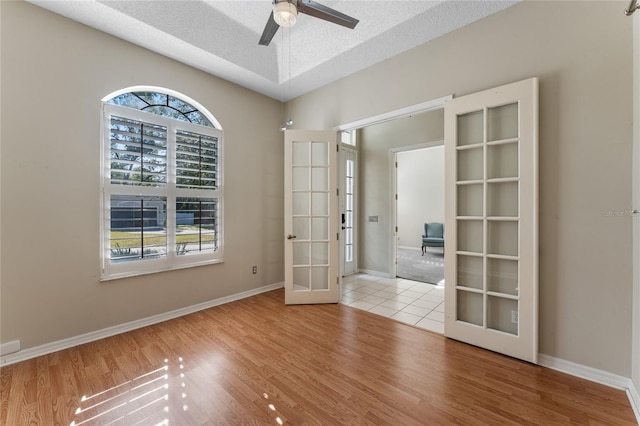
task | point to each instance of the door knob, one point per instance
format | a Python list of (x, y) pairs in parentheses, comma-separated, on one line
[(290, 237)]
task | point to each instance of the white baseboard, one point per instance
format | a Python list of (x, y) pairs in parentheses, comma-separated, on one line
[(376, 273), (584, 372), (9, 347), (48, 348), (634, 398), (595, 375)]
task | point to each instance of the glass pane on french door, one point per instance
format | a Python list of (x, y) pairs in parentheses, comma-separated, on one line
[(487, 218), (347, 208), (311, 223)]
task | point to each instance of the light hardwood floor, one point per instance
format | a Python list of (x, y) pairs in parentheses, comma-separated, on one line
[(257, 361)]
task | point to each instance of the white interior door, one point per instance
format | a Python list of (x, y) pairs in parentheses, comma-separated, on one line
[(491, 219), (311, 217), (347, 186)]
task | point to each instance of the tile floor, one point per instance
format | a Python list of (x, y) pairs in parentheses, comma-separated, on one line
[(411, 302)]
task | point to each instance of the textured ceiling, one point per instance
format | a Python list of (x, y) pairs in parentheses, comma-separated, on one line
[(221, 37)]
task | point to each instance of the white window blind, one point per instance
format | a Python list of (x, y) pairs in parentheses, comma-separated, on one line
[(138, 152), (162, 203), (196, 160)]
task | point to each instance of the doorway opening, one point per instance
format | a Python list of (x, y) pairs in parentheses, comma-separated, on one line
[(419, 218), (375, 286)]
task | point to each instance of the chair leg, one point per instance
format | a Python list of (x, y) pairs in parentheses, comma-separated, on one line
[(423, 250)]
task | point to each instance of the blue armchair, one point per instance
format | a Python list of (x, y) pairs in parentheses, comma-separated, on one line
[(433, 236)]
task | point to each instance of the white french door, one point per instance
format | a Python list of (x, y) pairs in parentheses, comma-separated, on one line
[(347, 185), (311, 217), (491, 205)]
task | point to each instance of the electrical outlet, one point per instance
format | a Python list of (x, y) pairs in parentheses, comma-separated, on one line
[(514, 317), (254, 270)]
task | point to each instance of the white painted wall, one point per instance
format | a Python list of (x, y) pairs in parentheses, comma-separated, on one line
[(420, 181), (582, 53)]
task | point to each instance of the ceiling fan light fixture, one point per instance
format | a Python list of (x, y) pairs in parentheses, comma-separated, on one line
[(285, 14)]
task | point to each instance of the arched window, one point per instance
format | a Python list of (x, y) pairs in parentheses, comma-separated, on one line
[(161, 104), (162, 183)]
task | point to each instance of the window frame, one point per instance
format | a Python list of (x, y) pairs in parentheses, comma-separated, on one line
[(349, 138), (113, 270)]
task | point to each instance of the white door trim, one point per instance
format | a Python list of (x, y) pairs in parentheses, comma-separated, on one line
[(398, 113)]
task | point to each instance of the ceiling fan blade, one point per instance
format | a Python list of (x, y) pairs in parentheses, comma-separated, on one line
[(269, 31), (310, 7)]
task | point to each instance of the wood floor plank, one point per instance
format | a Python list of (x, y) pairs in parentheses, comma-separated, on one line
[(257, 361)]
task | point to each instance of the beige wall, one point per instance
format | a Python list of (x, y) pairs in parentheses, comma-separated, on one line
[(582, 53), (54, 73)]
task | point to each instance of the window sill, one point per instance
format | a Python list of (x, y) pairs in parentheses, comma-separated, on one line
[(130, 274)]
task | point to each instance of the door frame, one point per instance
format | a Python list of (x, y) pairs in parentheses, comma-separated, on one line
[(397, 113), (407, 111), (393, 204)]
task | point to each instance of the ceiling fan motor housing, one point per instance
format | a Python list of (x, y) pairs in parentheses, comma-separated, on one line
[(285, 13)]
